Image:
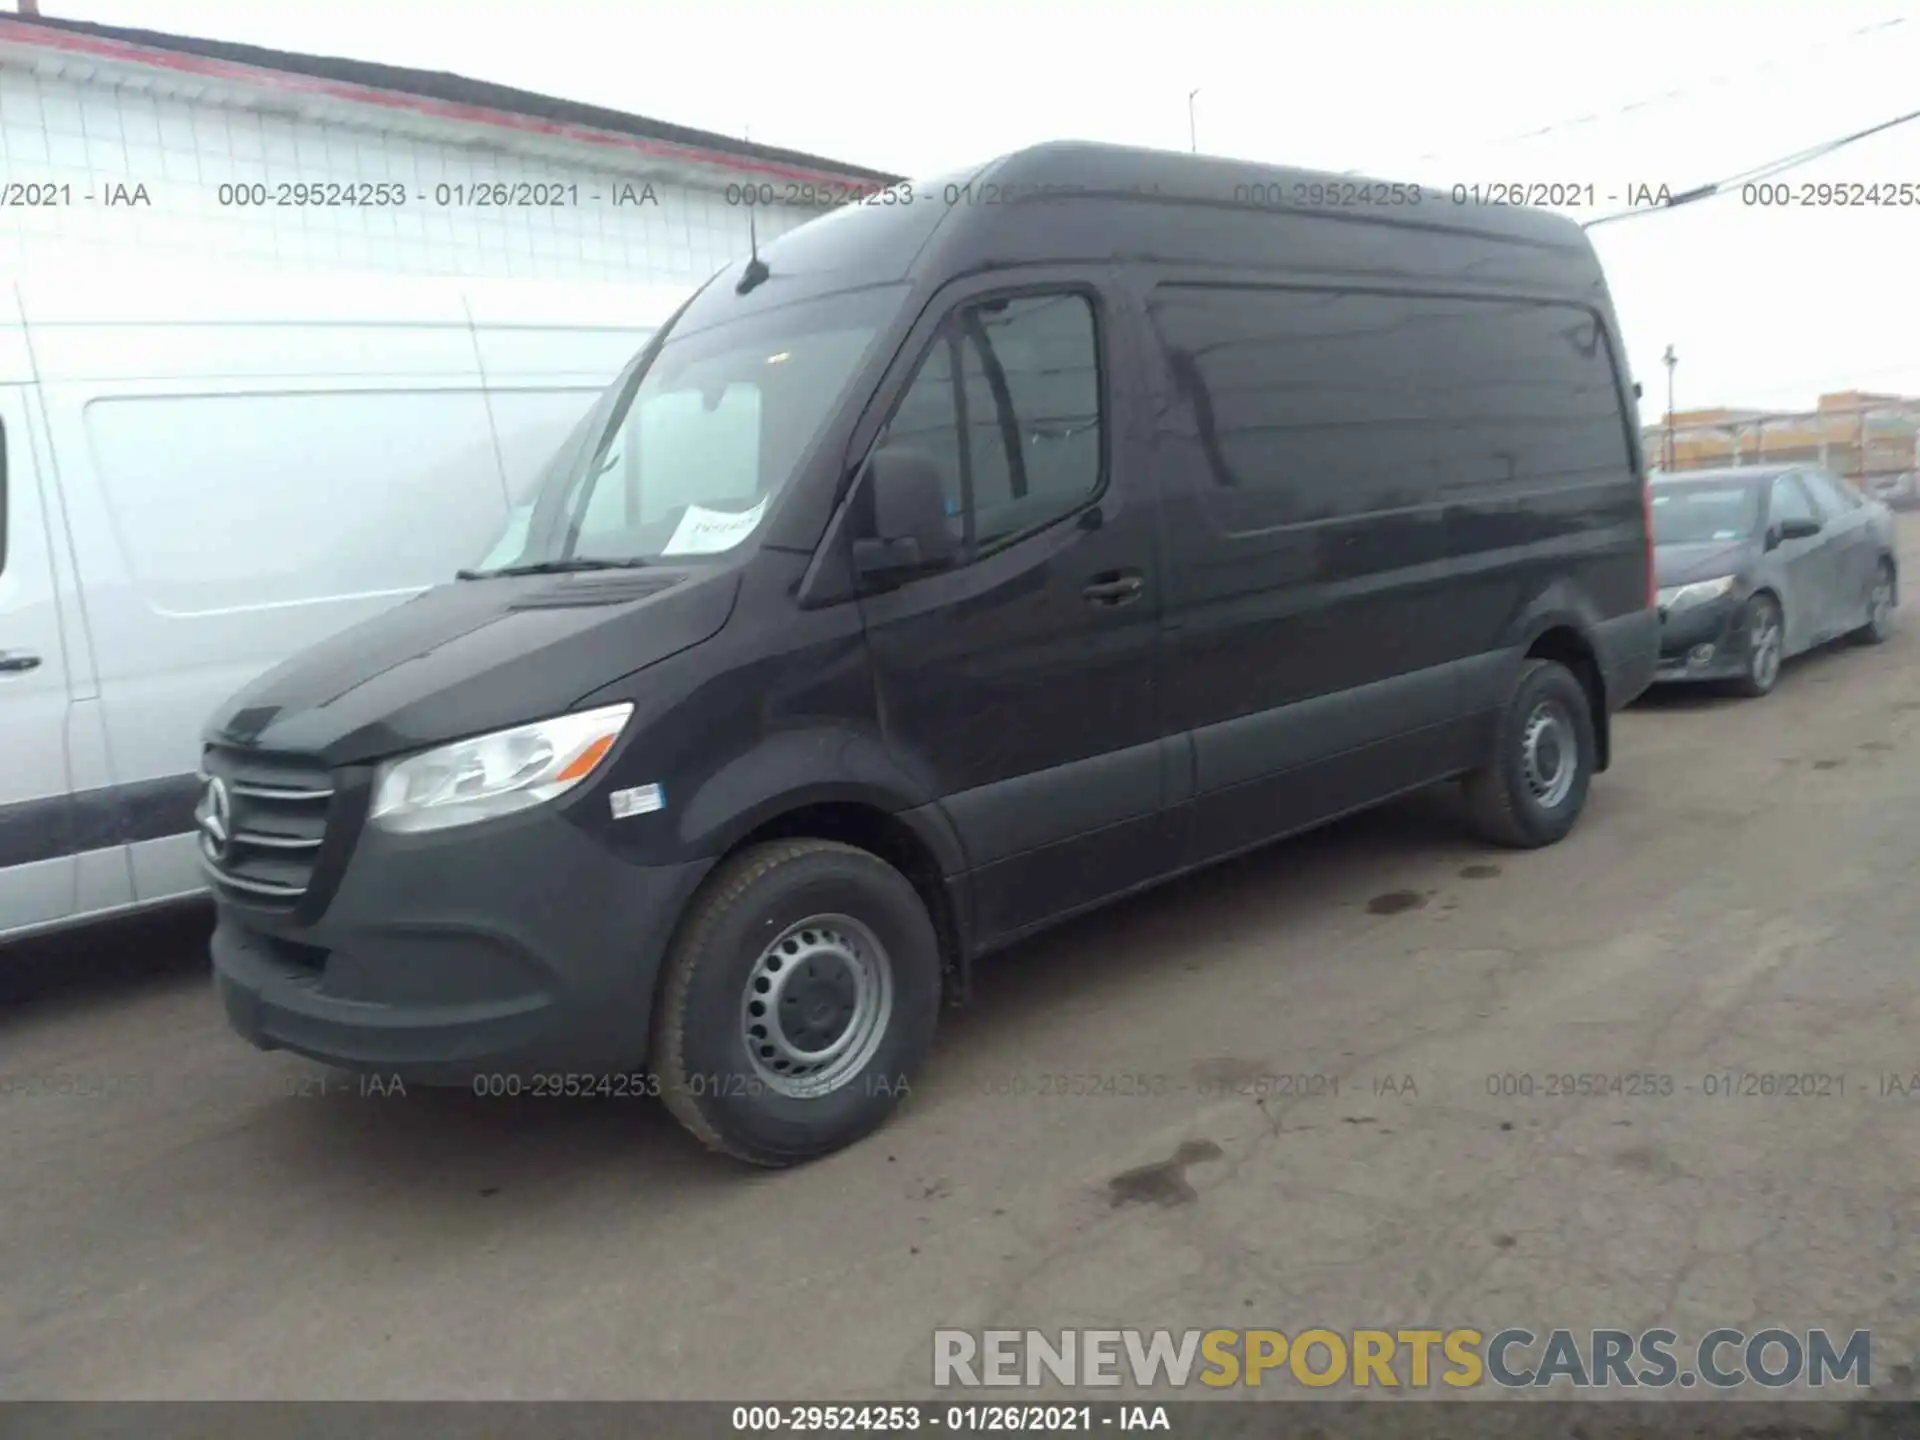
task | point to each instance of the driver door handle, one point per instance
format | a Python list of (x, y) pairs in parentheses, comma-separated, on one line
[(12, 662), (1114, 587)]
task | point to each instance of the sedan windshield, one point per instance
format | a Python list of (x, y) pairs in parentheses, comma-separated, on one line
[(1702, 514), (684, 453)]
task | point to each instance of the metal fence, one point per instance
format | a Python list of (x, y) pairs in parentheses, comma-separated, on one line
[(1878, 448)]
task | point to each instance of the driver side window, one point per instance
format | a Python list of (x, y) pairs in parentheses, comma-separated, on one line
[(1790, 502), (1007, 405)]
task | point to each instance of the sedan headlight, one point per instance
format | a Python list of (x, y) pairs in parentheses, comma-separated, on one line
[(1682, 597), (495, 774)]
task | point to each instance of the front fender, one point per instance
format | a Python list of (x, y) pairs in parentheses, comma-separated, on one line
[(816, 766)]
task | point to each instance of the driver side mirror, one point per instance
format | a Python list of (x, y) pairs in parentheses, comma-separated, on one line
[(909, 509), (1792, 530)]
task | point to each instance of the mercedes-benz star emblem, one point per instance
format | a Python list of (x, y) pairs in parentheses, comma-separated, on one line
[(216, 820)]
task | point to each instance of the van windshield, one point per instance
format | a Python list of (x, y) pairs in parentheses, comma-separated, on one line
[(685, 453)]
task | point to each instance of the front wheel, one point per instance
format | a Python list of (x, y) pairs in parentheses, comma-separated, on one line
[(1879, 624), (798, 1002), (1766, 645), (1543, 759)]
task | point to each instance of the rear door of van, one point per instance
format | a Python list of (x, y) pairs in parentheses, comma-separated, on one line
[(250, 465)]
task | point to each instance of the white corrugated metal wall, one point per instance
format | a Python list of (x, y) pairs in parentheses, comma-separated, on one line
[(76, 128)]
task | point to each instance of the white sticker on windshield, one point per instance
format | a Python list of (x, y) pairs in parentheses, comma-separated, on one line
[(708, 532)]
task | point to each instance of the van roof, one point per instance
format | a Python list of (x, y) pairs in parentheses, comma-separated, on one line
[(1173, 176), (1080, 201)]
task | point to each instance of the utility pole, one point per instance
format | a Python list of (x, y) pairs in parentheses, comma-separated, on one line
[(1193, 135), (1669, 360)]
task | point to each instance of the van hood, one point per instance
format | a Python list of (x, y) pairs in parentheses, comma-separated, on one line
[(1708, 560), (470, 657)]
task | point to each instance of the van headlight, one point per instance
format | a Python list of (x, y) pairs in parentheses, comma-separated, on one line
[(495, 774), (1685, 597)]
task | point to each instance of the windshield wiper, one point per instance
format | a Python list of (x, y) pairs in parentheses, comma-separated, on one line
[(551, 567)]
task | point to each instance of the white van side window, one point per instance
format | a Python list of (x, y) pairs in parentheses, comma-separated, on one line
[(238, 501)]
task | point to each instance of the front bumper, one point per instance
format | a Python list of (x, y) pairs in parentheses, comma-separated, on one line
[(1703, 642), (512, 946)]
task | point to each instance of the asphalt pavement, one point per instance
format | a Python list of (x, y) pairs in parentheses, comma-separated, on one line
[(1314, 1087)]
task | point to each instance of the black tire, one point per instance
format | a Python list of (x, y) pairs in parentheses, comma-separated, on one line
[(1506, 803), (712, 1083), (1879, 626), (1764, 656)]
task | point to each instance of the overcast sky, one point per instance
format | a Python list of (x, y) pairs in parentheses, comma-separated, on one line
[(1765, 307)]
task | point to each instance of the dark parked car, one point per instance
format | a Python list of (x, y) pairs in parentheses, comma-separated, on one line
[(962, 562), (1759, 564)]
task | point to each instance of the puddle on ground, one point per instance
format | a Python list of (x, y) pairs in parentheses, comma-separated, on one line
[(1165, 1182), (1395, 902)]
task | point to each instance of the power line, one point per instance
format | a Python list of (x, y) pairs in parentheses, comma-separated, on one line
[(1797, 62), (1759, 172)]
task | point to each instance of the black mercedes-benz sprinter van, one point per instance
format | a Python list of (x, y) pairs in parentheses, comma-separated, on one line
[(970, 557)]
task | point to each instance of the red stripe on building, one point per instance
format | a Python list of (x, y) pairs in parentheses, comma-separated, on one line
[(12, 32)]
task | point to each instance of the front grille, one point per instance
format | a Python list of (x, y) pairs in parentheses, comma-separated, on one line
[(261, 847)]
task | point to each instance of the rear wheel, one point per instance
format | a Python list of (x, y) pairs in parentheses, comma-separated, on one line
[(1543, 760), (1879, 624), (798, 1002), (1766, 645)]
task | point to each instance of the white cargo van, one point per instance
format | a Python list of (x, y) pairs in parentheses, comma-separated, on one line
[(201, 474)]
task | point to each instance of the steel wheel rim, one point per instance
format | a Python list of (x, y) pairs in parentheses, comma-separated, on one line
[(1549, 754), (1880, 604), (816, 1006), (1764, 648)]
